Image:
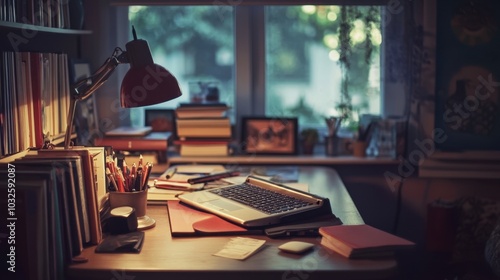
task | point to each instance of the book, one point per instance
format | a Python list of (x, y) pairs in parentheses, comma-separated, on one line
[(203, 147), (203, 122), (204, 128), (129, 131), (41, 253), (32, 254), (154, 141), (36, 81), (161, 196), (361, 241), (190, 110), (175, 183)]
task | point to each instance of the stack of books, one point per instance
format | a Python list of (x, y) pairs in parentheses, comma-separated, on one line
[(60, 195), (361, 241), (203, 129)]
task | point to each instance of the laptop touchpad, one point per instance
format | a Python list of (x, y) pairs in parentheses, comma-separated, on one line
[(224, 205)]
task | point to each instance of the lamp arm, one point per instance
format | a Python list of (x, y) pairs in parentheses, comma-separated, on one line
[(85, 87)]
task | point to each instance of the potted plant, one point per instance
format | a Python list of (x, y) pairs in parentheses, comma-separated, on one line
[(309, 137)]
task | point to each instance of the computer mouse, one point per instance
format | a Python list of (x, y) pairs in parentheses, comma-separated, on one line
[(296, 247)]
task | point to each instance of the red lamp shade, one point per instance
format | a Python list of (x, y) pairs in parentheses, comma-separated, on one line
[(146, 83)]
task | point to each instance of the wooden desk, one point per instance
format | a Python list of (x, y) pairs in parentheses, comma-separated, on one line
[(164, 257)]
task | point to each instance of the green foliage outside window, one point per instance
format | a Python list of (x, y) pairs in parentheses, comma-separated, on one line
[(351, 33)]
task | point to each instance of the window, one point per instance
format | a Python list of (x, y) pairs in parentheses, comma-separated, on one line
[(304, 51), (273, 60), (195, 43)]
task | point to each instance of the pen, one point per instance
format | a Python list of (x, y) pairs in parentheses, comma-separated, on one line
[(213, 177), (138, 180), (147, 173), (170, 172)]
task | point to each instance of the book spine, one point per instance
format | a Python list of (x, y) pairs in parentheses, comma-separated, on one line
[(133, 144)]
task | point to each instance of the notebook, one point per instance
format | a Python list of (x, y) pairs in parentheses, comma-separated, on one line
[(258, 203)]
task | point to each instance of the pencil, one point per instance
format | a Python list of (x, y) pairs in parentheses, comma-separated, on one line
[(213, 177)]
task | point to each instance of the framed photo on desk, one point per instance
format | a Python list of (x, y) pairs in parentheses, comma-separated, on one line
[(270, 136)]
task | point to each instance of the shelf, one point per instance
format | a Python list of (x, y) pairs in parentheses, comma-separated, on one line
[(463, 165), (296, 160), (7, 25)]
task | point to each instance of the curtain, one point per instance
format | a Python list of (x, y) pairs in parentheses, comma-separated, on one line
[(411, 42)]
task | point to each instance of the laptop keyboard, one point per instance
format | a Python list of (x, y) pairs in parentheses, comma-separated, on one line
[(264, 200)]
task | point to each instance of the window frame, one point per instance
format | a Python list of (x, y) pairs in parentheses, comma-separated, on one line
[(249, 71)]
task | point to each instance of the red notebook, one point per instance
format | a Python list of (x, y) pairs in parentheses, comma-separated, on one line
[(361, 241), (187, 221)]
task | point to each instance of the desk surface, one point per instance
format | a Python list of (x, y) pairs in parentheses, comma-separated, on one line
[(165, 257)]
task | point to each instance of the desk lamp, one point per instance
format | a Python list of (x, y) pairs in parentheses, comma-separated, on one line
[(146, 83)]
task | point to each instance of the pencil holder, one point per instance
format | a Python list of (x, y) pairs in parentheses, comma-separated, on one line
[(359, 148), (136, 200)]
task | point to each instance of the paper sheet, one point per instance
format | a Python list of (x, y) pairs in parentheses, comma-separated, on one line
[(240, 248)]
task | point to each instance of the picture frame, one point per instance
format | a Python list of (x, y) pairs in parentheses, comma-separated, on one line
[(270, 136), (86, 119), (466, 105), (161, 120)]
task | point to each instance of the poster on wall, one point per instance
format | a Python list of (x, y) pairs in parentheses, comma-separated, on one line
[(468, 74)]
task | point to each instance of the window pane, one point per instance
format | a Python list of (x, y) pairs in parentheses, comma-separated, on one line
[(195, 43), (303, 49)]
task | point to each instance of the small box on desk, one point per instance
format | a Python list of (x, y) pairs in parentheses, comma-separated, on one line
[(153, 142)]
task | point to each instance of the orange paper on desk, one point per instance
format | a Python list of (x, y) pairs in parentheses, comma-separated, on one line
[(186, 221), (361, 241)]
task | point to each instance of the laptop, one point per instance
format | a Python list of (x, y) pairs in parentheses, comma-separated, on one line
[(258, 203)]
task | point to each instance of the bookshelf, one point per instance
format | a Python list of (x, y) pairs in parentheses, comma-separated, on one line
[(18, 99), (16, 27)]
